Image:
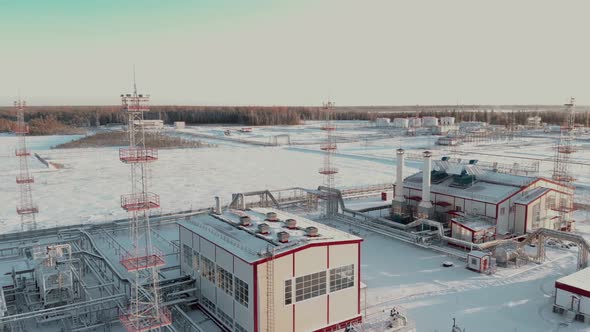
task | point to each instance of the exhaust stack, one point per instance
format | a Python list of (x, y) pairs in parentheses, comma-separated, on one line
[(425, 205)]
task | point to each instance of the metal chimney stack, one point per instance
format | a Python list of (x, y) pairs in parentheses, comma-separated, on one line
[(217, 205), (398, 195), (425, 205)]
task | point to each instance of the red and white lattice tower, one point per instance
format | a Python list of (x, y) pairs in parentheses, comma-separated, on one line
[(328, 170), (561, 172), (143, 261), (26, 208), (564, 147)]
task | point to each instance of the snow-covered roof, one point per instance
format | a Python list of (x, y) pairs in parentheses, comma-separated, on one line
[(247, 243), (531, 195), (579, 280), (479, 254), (475, 222), (491, 187)]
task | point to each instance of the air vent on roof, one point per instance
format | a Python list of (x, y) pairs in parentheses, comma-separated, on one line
[(272, 216), (311, 231), (283, 237), (263, 228), (291, 223), (245, 221)]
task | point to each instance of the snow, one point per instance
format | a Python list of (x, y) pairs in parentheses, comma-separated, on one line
[(519, 299), (251, 246)]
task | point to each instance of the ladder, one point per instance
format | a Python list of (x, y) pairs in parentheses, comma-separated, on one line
[(270, 299)]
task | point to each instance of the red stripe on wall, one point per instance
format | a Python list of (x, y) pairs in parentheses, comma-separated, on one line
[(255, 292), (359, 279), (328, 311)]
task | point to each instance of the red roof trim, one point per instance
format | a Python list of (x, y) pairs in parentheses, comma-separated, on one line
[(309, 245), (572, 289)]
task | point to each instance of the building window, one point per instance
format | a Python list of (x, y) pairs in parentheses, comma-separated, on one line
[(195, 261), (241, 292), (458, 208), (288, 292), (550, 202), (473, 261), (225, 318), (208, 304), (186, 255), (208, 269), (341, 278), (309, 286), (225, 280), (239, 328), (502, 211)]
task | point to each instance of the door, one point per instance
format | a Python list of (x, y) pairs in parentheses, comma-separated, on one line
[(575, 303)]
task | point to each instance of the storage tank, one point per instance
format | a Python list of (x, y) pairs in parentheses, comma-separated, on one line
[(447, 121), (382, 122), (504, 255), (430, 121), (415, 122), (400, 123)]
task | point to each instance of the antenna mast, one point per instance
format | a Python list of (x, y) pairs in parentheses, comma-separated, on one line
[(143, 261), (328, 171), (27, 209)]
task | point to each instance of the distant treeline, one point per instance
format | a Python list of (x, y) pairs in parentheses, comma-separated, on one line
[(89, 116)]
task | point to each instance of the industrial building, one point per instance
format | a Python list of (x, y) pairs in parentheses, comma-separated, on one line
[(149, 124), (572, 294), (479, 204), (265, 270)]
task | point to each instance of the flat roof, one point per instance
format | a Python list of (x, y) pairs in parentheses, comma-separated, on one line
[(489, 187), (532, 195), (245, 242), (476, 223), (578, 282)]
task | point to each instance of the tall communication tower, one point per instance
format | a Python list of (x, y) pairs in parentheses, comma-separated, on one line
[(26, 208), (564, 147), (563, 150), (145, 312), (328, 170)]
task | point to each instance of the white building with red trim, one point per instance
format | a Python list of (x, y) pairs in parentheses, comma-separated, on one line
[(315, 284), (484, 205), (572, 293)]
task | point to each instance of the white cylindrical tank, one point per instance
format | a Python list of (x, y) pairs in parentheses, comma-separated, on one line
[(430, 121), (415, 122), (401, 123), (382, 122), (447, 121)]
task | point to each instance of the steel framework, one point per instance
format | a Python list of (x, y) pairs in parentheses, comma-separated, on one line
[(26, 208), (329, 148), (563, 150), (145, 312)]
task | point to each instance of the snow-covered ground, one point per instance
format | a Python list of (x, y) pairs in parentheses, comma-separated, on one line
[(88, 190)]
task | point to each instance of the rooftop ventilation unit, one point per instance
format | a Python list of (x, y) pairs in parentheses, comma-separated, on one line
[(283, 237), (264, 228), (311, 231), (272, 216), (245, 221), (291, 223)]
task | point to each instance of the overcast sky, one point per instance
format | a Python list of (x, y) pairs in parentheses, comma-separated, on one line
[(296, 52)]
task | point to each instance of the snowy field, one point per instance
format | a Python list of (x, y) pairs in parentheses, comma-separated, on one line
[(87, 190)]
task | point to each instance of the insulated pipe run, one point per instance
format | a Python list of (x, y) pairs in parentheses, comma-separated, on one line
[(427, 167), (399, 183)]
